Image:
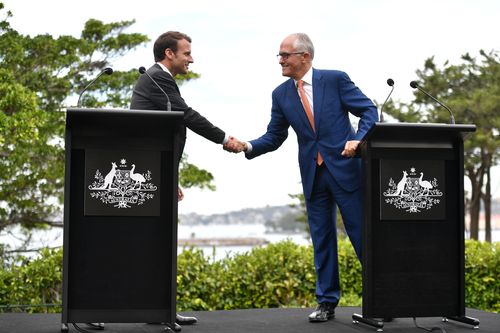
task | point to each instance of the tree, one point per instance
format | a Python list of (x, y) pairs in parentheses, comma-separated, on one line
[(472, 90), (39, 76)]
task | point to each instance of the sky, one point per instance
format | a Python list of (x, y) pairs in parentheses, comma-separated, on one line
[(234, 49)]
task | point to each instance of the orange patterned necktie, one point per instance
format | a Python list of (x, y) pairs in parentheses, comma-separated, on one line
[(307, 108)]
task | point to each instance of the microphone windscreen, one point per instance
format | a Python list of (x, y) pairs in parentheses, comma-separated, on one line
[(108, 70), (413, 84), (142, 70), (390, 82)]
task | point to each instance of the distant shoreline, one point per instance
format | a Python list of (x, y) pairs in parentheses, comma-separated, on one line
[(243, 241)]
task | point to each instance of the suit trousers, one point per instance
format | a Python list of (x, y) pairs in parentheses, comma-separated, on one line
[(321, 212)]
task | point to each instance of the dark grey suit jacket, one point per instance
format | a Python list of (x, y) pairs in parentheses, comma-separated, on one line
[(147, 96)]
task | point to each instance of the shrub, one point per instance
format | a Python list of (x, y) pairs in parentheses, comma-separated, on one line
[(277, 275), (30, 285), (482, 275)]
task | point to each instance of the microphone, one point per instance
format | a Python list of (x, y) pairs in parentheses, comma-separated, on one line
[(142, 70), (414, 85), (390, 82), (107, 70)]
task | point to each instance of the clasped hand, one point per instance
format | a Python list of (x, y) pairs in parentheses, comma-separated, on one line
[(234, 145)]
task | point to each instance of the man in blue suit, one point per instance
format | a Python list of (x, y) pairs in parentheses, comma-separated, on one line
[(316, 104)]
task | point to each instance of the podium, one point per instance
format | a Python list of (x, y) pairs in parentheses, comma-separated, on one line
[(120, 216), (413, 233)]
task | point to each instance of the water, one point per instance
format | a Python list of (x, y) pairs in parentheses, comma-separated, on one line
[(234, 231), (54, 237)]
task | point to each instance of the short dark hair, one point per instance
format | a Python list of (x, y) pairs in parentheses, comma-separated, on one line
[(167, 40)]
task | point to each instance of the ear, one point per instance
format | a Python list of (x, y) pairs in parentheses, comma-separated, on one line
[(307, 57), (169, 54)]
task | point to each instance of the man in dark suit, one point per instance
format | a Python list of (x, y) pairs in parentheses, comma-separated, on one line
[(316, 104), (172, 52)]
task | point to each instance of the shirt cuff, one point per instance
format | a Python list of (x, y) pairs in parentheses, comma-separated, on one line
[(249, 148)]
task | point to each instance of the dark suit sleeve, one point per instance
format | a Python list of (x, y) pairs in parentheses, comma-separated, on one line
[(192, 119)]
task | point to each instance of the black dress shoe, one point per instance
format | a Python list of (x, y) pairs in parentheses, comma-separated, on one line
[(181, 320), (323, 312), (176, 328)]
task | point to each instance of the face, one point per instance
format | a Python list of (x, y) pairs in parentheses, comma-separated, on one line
[(293, 63), (181, 59)]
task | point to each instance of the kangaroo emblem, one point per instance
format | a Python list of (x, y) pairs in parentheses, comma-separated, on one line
[(108, 180), (401, 185)]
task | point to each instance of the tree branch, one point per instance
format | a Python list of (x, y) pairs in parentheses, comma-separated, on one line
[(31, 250)]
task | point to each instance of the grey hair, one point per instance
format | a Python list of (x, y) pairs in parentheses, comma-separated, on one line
[(303, 43)]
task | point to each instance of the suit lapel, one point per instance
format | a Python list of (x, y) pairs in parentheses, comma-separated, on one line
[(318, 95), (297, 103)]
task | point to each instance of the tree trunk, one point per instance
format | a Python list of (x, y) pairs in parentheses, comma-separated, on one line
[(476, 179), (487, 199), (475, 204)]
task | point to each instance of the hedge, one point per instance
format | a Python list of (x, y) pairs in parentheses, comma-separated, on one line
[(277, 275)]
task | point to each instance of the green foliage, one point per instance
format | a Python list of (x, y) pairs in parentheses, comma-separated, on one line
[(277, 275), (350, 274), (38, 76), (181, 78), (482, 279), (200, 282), (33, 282), (31, 166), (192, 176)]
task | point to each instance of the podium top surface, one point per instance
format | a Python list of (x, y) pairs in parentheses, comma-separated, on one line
[(417, 130), (122, 112), (431, 126), (88, 122)]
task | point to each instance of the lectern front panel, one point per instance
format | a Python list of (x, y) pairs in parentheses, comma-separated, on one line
[(413, 240), (120, 216)]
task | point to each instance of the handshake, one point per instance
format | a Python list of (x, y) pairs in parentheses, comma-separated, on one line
[(234, 145)]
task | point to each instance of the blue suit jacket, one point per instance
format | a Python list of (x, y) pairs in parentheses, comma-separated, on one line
[(334, 97)]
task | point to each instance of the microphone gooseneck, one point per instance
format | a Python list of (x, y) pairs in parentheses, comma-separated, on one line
[(142, 70), (107, 71), (415, 85), (390, 82)]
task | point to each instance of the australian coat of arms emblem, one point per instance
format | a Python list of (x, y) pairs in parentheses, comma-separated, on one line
[(413, 192), (122, 186)]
